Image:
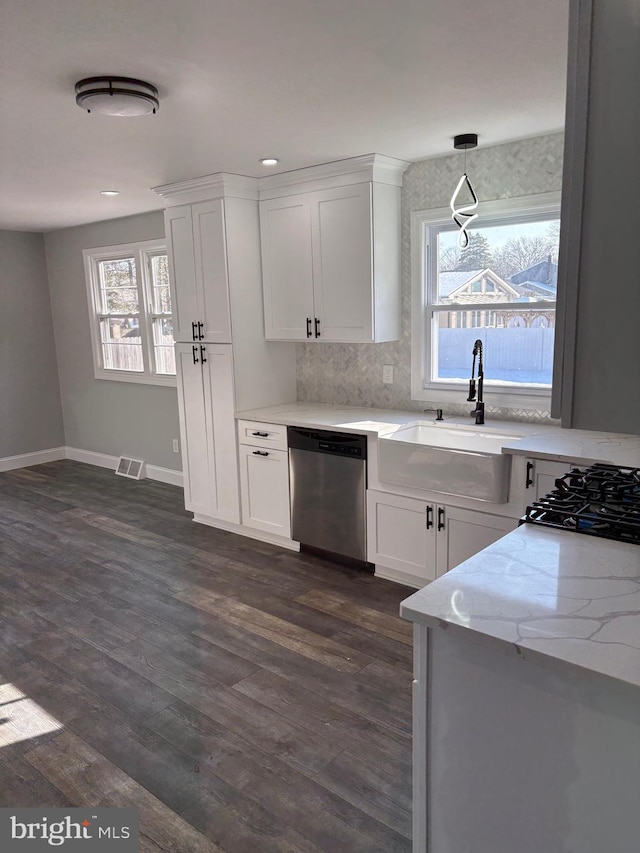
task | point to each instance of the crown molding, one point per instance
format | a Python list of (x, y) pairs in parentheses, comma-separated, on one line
[(355, 170), (208, 187)]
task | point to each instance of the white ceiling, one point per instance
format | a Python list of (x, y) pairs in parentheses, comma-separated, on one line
[(308, 81)]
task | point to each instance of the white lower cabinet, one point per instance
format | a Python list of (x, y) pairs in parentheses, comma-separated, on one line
[(423, 540), (464, 533), (264, 489), (207, 428), (542, 475)]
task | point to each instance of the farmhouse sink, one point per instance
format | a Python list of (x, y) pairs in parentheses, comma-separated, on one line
[(453, 460)]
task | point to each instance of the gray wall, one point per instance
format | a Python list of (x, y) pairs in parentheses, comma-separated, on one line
[(352, 373), (117, 418), (30, 412), (601, 263)]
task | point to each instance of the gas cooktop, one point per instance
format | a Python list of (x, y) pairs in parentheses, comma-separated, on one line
[(601, 500)]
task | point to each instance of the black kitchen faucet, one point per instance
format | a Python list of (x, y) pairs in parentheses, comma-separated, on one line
[(478, 412)]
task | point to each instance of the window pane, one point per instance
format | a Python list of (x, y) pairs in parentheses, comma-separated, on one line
[(518, 345), (118, 288), (121, 344), (163, 346), (160, 281), (502, 263), (121, 300)]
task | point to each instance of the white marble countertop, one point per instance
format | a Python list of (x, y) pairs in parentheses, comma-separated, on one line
[(539, 440), (564, 595)]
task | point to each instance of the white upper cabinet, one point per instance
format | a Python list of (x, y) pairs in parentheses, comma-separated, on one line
[(198, 261), (287, 268), (342, 268), (331, 252)]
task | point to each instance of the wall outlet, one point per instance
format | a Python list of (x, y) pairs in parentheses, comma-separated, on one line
[(176, 446), (387, 374)]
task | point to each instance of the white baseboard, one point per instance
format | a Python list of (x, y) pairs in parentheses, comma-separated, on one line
[(249, 532), (102, 460), (38, 457), (164, 475)]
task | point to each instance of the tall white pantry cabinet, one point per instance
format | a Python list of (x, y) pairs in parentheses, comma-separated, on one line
[(223, 362)]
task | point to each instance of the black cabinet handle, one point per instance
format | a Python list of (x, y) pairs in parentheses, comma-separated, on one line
[(203, 352), (529, 480), (317, 322), (194, 334), (429, 517), (261, 434), (194, 350), (200, 334), (308, 327), (441, 524), (260, 453)]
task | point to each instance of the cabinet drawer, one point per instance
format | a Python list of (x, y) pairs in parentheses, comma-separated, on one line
[(262, 435)]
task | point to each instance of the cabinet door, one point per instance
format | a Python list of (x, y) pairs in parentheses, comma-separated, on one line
[(461, 533), (211, 271), (182, 275), (541, 477), (287, 270), (401, 534), (264, 487), (196, 440), (342, 263), (217, 372)]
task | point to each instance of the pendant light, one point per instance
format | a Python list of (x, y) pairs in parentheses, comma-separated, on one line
[(462, 215)]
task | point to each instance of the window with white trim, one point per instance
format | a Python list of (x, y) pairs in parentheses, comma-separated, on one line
[(130, 313), (500, 289)]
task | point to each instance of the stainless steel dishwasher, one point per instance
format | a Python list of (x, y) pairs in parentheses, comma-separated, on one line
[(328, 477)]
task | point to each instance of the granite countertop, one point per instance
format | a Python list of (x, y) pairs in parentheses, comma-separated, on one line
[(559, 594), (538, 440)]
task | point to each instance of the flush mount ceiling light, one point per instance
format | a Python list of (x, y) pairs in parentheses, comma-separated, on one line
[(269, 161), (109, 192), (117, 96), (462, 216)]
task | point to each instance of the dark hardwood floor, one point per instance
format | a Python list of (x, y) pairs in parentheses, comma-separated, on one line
[(244, 698)]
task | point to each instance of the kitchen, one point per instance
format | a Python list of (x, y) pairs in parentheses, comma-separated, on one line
[(339, 373)]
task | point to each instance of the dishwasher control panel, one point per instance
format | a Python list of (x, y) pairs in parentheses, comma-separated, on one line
[(325, 441)]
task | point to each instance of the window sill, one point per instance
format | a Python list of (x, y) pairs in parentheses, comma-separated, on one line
[(136, 378)]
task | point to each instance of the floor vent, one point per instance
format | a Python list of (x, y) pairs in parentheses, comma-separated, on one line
[(132, 468)]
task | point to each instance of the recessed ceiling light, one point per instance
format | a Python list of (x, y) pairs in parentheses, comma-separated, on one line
[(269, 161), (117, 96), (109, 192)]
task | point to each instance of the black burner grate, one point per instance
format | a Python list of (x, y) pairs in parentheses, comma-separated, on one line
[(602, 500)]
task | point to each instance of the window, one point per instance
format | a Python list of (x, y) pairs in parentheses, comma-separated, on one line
[(501, 289), (130, 313)]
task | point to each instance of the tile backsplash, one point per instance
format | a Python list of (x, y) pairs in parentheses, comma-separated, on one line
[(351, 374)]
